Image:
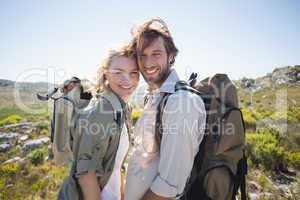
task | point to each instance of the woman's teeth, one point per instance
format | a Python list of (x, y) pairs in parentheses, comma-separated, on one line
[(125, 87)]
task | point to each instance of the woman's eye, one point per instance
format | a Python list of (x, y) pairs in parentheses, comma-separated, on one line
[(134, 73)]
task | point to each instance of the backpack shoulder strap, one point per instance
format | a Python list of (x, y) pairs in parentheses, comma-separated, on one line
[(180, 85), (158, 121), (117, 107), (54, 113)]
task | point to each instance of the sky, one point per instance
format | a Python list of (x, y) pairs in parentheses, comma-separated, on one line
[(49, 40)]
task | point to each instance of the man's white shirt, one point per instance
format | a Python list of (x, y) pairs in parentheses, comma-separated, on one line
[(165, 169)]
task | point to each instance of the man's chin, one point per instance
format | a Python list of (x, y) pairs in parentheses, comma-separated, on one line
[(153, 82)]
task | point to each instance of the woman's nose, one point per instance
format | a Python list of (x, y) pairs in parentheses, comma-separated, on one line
[(125, 77)]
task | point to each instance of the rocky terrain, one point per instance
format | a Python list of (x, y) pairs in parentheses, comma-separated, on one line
[(27, 172)]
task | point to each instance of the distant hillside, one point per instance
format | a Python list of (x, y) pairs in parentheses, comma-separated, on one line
[(289, 75), (26, 86), (285, 77)]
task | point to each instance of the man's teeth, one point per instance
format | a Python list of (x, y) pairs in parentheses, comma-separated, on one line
[(150, 71)]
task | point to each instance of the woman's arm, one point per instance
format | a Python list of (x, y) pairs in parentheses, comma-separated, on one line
[(89, 186)]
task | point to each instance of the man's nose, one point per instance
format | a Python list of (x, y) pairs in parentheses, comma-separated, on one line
[(148, 61)]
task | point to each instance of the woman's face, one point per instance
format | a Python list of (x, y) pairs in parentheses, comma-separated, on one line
[(123, 76)]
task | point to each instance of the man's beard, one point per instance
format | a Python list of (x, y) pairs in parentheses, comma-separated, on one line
[(162, 76)]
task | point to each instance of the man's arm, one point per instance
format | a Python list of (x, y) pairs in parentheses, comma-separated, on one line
[(182, 118)]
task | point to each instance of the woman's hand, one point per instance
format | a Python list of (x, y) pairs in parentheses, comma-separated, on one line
[(89, 186)]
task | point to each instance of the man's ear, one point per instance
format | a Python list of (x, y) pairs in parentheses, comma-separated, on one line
[(171, 59)]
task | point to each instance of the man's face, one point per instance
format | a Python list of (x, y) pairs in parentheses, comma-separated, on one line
[(154, 63)]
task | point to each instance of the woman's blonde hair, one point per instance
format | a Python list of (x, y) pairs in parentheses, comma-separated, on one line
[(123, 50)]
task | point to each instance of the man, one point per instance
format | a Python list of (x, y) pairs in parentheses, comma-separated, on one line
[(160, 170)]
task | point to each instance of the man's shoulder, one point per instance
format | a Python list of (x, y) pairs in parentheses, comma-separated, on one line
[(185, 96), (187, 100)]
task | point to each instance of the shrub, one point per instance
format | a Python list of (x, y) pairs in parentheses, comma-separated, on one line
[(264, 113), (43, 125), (12, 119), (44, 132), (294, 159), (263, 149), (40, 185), (8, 170), (249, 118), (291, 140), (37, 156), (291, 115), (263, 181), (296, 113)]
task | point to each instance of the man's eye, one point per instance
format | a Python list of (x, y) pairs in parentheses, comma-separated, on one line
[(156, 54)]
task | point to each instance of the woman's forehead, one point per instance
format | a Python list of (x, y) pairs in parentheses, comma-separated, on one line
[(123, 63)]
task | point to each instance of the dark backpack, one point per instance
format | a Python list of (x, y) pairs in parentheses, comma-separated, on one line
[(220, 166)]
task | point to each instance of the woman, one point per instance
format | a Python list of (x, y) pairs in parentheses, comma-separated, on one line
[(104, 141)]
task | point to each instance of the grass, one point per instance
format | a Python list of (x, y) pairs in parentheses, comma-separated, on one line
[(12, 119), (26, 181)]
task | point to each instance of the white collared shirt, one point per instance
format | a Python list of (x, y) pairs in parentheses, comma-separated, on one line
[(165, 169)]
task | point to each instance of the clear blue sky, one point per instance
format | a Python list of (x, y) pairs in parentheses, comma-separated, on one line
[(241, 38)]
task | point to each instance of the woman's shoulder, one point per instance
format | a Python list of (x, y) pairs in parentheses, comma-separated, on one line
[(99, 107)]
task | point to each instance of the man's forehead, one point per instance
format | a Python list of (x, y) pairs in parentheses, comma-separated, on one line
[(157, 44)]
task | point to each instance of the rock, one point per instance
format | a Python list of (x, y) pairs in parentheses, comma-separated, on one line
[(247, 82), (285, 75), (285, 190), (251, 84), (253, 196), (10, 186), (18, 125), (15, 159), (253, 186), (9, 137), (267, 195), (34, 144), (5, 147), (24, 138), (28, 132)]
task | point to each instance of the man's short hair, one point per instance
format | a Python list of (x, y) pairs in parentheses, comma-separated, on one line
[(150, 30)]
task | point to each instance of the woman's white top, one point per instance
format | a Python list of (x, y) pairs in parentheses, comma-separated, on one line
[(112, 190)]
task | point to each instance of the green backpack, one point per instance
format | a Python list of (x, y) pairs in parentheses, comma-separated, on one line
[(220, 165), (65, 111)]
